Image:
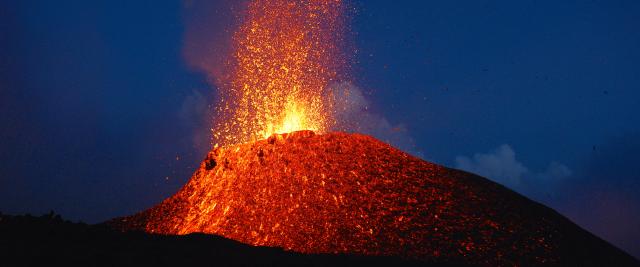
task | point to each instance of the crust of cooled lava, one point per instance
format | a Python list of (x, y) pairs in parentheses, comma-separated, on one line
[(350, 193)]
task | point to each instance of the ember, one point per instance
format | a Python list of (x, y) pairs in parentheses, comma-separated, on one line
[(285, 54), (273, 185)]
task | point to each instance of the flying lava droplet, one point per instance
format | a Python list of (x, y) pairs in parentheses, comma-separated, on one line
[(284, 55)]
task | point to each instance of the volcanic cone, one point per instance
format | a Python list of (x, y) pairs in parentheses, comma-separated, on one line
[(350, 193)]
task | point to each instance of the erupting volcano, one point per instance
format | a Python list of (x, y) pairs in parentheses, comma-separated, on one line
[(350, 193), (282, 179), (285, 53)]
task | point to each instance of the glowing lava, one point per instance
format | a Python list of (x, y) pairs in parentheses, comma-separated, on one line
[(338, 192), (350, 193), (284, 55)]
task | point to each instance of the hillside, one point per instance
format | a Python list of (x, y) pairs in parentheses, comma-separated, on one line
[(350, 193)]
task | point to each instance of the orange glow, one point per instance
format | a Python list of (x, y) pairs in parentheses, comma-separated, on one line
[(270, 184), (284, 55), (350, 193)]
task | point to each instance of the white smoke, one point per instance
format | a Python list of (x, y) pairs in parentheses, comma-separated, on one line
[(501, 166)]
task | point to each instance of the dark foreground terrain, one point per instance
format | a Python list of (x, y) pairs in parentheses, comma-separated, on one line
[(50, 241)]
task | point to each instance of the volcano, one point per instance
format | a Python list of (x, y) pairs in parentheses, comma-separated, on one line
[(350, 193)]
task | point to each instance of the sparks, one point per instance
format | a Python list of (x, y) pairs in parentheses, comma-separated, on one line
[(285, 53)]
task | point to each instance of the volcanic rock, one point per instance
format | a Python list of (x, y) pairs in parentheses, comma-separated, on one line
[(350, 193)]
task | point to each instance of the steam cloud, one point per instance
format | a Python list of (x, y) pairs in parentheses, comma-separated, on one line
[(352, 115), (502, 167)]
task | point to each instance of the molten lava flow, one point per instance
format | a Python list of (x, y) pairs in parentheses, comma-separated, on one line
[(285, 54)]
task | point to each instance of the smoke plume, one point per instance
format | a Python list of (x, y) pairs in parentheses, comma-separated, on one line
[(352, 114)]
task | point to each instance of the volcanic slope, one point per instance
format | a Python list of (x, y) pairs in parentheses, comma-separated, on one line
[(350, 193)]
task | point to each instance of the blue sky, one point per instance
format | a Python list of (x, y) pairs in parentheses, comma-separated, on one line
[(104, 115)]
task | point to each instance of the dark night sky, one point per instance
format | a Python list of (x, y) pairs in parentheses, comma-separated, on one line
[(104, 113)]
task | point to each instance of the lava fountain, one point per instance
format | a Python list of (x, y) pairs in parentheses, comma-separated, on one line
[(339, 192), (284, 55)]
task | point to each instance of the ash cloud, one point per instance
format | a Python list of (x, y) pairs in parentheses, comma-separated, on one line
[(352, 114), (196, 114), (209, 26)]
